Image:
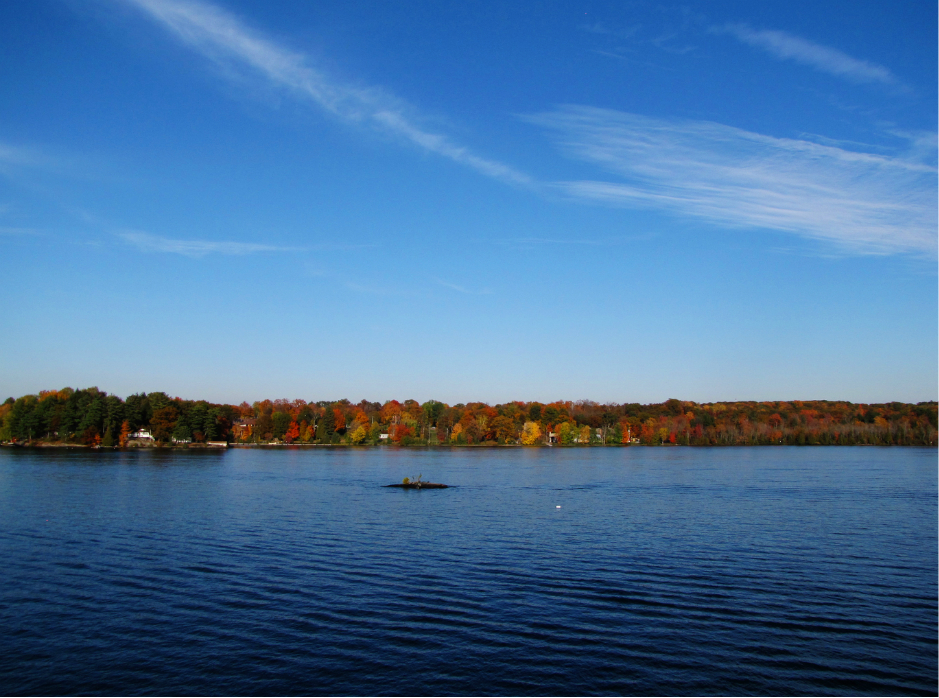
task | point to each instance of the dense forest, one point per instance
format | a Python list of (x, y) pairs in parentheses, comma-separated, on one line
[(91, 417)]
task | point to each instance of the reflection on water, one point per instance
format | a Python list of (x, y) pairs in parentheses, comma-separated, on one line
[(665, 571)]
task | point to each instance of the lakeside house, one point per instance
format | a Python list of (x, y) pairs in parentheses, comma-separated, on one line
[(243, 428), (141, 435)]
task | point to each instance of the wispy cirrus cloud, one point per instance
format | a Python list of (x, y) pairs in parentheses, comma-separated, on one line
[(462, 289), (824, 58), (556, 241), (195, 248), (533, 243), (221, 37), (18, 157), (12, 230), (869, 203)]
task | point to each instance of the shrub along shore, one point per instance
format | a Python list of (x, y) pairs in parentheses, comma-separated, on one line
[(90, 417)]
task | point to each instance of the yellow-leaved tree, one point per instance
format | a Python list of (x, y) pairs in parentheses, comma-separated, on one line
[(584, 434), (358, 434), (531, 433)]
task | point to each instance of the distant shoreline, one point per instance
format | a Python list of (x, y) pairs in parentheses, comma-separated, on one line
[(271, 446), (95, 419)]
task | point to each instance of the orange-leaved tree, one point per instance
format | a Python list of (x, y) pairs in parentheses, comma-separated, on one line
[(504, 428), (399, 431), (163, 422), (293, 432), (390, 411), (340, 419)]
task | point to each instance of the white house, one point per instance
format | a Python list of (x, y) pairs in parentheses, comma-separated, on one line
[(142, 435)]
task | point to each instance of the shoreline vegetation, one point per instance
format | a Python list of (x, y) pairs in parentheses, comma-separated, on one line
[(91, 418)]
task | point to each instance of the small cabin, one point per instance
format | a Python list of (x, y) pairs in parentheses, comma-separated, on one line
[(243, 428)]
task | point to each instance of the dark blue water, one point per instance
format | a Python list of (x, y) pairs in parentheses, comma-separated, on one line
[(665, 571)]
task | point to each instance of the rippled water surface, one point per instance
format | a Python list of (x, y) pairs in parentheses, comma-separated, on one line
[(665, 571)]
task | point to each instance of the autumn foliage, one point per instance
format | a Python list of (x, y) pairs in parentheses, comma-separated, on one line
[(531, 433), (94, 418), (293, 432)]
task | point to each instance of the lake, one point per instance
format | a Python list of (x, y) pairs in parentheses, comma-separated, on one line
[(665, 571)]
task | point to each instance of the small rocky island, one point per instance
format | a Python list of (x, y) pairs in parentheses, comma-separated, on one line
[(418, 484)]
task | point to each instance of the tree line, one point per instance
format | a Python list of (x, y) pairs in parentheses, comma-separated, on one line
[(95, 418)]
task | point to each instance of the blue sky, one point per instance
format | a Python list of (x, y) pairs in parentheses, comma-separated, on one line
[(620, 201)]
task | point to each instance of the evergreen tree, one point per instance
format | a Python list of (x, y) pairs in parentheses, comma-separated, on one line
[(281, 422), (327, 426)]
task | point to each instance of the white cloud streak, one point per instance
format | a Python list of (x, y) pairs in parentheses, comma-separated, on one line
[(865, 202), (824, 58), (462, 289), (195, 248), (14, 157), (221, 37)]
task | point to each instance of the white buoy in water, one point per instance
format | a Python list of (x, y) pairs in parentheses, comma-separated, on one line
[(558, 506)]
